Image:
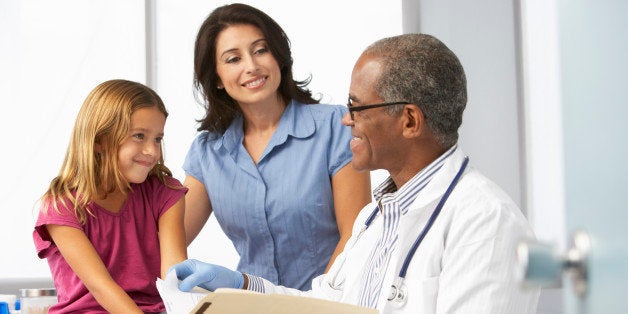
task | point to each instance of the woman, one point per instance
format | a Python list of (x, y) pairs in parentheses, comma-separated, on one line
[(271, 163)]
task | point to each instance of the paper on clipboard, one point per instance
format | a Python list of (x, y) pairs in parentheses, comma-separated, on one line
[(234, 301), (175, 300)]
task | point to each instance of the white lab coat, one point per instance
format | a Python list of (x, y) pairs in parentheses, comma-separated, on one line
[(465, 264)]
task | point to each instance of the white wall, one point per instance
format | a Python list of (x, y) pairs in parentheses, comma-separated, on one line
[(53, 53), (543, 120), (542, 116)]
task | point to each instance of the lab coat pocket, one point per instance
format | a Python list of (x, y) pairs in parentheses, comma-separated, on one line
[(429, 293), (326, 288), (420, 297)]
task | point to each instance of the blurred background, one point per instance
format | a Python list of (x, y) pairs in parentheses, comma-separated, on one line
[(52, 53)]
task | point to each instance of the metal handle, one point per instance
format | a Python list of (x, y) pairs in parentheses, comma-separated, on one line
[(540, 264)]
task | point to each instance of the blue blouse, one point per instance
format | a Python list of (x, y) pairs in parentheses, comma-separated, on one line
[(279, 214)]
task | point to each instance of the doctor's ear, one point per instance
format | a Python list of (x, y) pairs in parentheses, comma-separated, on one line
[(414, 123)]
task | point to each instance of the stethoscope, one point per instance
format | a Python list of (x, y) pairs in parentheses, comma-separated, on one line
[(397, 289)]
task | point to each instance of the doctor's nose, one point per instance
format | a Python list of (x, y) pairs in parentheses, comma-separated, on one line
[(347, 120)]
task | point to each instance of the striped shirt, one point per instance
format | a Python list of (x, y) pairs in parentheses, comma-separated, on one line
[(393, 203)]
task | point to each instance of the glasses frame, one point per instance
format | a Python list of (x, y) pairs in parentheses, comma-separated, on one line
[(353, 109)]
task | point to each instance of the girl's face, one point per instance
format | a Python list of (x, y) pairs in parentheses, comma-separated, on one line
[(141, 149), (247, 69)]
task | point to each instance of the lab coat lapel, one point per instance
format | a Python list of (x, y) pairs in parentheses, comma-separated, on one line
[(416, 218), (440, 182)]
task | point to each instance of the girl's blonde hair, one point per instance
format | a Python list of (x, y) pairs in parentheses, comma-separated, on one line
[(104, 119)]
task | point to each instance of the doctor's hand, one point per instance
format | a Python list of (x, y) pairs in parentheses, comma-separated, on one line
[(209, 276)]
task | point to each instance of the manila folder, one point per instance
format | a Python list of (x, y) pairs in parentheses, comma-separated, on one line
[(246, 302)]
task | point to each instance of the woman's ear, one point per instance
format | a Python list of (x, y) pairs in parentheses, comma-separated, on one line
[(414, 121), (97, 148)]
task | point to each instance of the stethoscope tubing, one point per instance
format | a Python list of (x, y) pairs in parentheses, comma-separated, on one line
[(430, 222), (397, 291)]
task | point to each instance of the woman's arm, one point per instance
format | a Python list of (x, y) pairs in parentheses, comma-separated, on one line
[(197, 208), (80, 254), (172, 245), (352, 191)]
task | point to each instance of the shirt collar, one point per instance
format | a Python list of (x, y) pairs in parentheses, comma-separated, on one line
[(404, 196), (296, 121)]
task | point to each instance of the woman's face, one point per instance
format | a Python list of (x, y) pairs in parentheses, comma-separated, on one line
[(245, 66)]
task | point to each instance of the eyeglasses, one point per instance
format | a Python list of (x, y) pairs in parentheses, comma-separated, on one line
[(360, 108)]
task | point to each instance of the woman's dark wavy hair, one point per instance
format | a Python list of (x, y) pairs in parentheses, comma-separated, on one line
[(220, 108)]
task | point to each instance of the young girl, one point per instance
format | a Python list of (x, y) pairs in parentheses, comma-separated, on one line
[(111, 222)]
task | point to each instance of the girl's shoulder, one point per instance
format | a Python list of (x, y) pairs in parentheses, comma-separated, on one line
[(154, 183), (59, 205), (60, 211)]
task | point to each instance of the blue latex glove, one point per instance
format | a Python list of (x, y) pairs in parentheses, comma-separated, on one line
[(209, 276)]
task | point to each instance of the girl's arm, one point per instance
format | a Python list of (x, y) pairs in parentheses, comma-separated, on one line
[(80, 254), (352, 191), (198, 208), (172, 237)]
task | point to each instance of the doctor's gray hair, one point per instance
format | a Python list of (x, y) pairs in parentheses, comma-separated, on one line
[(420, 69)]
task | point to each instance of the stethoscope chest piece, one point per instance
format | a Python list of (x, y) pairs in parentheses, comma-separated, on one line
[(397, 292), (398, 289)]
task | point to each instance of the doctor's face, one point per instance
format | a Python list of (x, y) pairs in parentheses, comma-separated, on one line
[(374, 131)]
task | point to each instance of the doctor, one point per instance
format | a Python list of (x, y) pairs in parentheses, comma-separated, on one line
[(440, 237)]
